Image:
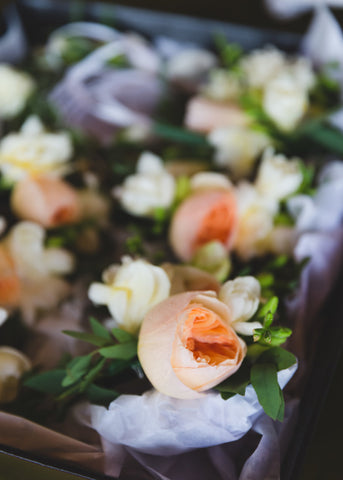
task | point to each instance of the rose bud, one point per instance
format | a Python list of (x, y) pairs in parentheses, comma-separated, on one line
[(12, 366), (204, 115), (203, 217), (51, 202), (9, 280), (187, 346)]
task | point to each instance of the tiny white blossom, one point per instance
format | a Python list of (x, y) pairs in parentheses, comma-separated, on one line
[(260, 66)]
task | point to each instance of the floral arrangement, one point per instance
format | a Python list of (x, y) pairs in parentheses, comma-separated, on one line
[(159, 207)]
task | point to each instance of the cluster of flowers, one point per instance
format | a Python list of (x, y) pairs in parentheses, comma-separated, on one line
[(193, 322)]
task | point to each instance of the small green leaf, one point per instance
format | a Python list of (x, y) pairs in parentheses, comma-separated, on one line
[(264, 380), (123, 351), (47, 382), (99, 330), (178, 134), (87, 337), (76, 369), (278, 356), (268, 311), (92, 374), (100, 395), (122, 335)]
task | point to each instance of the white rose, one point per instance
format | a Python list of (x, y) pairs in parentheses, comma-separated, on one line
[(209, 181), (278, 177), (242, 296), (150, 188), (285, 100), (33, 151), (255, 221), (237, 148), (12, 366), (262, 65), (15, 88), (32, 259), (130, 291), (223, 86)]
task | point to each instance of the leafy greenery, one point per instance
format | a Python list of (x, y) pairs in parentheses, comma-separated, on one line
[(264, 359), (85, 375), (229, 53)]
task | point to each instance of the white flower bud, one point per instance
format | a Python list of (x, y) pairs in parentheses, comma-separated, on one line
[(237, 148), (150, 188), (278, 177), (12, 366), (242, 296), (262, 65), (130, 291), (285, 100), (15, 88)]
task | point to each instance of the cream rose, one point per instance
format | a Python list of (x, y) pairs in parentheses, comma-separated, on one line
[(260, 66), (130, 290), (15, 89), (278, 177), (13, 364), (34, 151), (242, 296), (150, 188), (187, 344), (285, 100), (237, 148)]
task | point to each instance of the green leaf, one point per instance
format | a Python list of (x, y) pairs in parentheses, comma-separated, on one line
[(264, 380), (76, 369), (87, 337), (99, 330), (100, 395), (123, 351), (178, 134), (47, 382), (268, 310), (92, 374), (122, 335), (279, 357)]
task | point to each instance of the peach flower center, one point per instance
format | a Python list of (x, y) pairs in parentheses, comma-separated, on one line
[(206, 336), (218, 223)]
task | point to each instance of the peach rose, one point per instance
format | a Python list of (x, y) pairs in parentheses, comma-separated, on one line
[(49, 201), (204, 216), (187, 345)]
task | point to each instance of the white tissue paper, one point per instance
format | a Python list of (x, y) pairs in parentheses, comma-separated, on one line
[(290, 8)]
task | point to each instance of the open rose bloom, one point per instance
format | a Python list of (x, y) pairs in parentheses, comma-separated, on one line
[(187, 345)]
